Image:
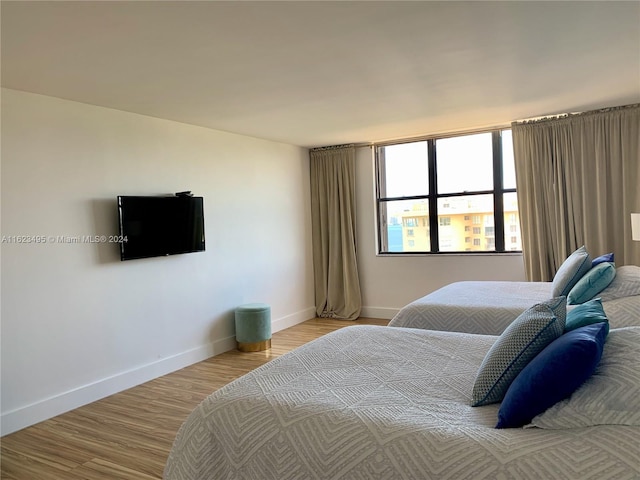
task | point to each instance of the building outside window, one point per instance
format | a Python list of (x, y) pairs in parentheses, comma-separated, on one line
[(435, 186)]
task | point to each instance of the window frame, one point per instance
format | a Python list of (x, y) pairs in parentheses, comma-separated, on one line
[(432, 198)]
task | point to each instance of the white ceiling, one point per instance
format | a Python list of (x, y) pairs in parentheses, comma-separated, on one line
[(326, 73)]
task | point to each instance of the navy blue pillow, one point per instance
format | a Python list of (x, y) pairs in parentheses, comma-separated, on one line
[(607, 257), (553, 375)]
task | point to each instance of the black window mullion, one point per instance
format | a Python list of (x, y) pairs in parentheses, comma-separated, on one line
[(381, 169), (498, 187), (433, 198), (381, 185), (434, 235)]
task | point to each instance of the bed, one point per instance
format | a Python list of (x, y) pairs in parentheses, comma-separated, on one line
[(487, 307), (483, 307), (372, 402)]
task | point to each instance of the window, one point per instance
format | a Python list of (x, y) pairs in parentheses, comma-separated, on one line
[(439, 185)]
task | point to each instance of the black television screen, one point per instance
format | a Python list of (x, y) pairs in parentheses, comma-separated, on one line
[(160, 226)]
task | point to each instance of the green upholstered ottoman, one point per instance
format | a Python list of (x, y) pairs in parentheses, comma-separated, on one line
[(253, 327)]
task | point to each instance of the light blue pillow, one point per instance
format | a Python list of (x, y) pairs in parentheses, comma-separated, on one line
[(520, 342), (571, 270), (592, 283), (586, 314), (560, 369)]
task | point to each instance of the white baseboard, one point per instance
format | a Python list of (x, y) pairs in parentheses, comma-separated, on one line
[(23, 417), (379, 312), (293, 319)]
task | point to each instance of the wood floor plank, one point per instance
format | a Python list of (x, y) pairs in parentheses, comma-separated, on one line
[(98, 469), (129, 435), (17, 466)]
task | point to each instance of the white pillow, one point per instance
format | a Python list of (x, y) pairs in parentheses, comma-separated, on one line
[(571, 270), (611, 396)]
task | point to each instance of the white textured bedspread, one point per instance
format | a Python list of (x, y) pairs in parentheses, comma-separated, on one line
[(622, 312), (483, 307), (487, 307), (369, 402)]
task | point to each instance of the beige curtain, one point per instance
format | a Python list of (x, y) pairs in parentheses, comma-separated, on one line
[(333, 216), (578, 180)]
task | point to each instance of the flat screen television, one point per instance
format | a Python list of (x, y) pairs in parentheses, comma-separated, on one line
[(154, 226)]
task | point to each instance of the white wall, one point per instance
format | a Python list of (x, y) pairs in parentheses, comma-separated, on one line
[(78, 324), (388, 282)]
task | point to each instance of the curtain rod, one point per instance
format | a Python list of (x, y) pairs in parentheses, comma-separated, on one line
[(439, 136), (415, 139), (477, 130), (332, 147), (562, 116)]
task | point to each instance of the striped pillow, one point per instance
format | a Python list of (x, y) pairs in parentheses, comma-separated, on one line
[(521, 341)]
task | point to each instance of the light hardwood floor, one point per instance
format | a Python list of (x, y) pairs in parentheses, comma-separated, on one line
[(128, 435)]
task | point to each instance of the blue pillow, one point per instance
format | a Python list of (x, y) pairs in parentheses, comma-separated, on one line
[(571, 270), (607, 257), (586, 314), (521, 341), (592, 283), (557, 372)]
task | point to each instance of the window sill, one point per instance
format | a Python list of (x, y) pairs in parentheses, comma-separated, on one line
[(450, 254)]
